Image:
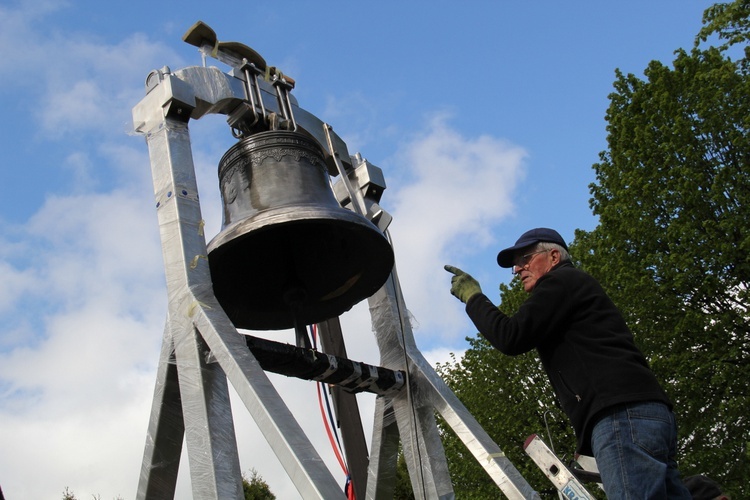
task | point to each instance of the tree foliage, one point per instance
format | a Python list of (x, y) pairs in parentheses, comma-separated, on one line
[(672, 194), (672, 248), (402, 490), (69, 495), (256, 488)]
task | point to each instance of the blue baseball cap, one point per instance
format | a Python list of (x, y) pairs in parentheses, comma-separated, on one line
[(531, 237)]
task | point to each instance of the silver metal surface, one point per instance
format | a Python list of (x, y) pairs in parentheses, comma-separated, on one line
[(197, 325), (414, 414), (202, 349), (565, 481), (166, 429), (210, 91), (381, 471), (209, 430)]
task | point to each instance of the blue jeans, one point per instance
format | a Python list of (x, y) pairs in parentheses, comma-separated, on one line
[(635, 446)]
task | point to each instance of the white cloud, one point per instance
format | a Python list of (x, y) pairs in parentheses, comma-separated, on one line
[(443, 355), (16, 283), (74, 404), (83, 294), (82, 394), (22, 48), (91, 251), (460, 189), (80, 82), (84, 87), (83, 297), (76, 393), (86, 386), (360, 116)]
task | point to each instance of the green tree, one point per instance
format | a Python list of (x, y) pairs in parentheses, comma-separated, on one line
[(402, 489), (256, 488), (673, 251), (672, 194)]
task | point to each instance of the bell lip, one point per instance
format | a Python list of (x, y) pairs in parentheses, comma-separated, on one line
[(279, 216), (286, 214)]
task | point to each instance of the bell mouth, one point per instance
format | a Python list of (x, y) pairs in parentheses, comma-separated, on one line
[(297, 265)]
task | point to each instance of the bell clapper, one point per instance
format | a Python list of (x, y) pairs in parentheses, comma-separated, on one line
[(295, 297)]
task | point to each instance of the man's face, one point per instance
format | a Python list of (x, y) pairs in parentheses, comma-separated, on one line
[(530, 264)]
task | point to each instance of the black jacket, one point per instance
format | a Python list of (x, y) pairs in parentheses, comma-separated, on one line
[(583, 342)]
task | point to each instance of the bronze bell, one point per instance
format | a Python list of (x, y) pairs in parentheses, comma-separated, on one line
[(288, 253)]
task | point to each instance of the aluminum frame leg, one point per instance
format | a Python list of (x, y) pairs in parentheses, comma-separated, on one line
[(166, 430), (430, 394)]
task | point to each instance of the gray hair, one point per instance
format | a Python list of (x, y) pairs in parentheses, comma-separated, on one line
[(546, 245)]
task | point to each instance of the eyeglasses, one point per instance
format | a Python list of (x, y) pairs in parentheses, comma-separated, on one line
[(524, 260)]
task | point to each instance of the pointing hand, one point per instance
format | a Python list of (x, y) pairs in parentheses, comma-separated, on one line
[(463, 286)]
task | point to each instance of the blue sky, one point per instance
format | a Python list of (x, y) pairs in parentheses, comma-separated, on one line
[(485, 117)]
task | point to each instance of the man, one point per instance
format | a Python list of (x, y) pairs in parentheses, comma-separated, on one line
[(619, 411)]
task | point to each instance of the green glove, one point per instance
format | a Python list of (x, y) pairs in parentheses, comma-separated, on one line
[(463, 286)]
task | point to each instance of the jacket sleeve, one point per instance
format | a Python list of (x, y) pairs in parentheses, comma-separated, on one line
[(545, 313)]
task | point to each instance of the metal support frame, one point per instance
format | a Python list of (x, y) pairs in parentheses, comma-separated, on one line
[(202, 350), (196, 396)]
